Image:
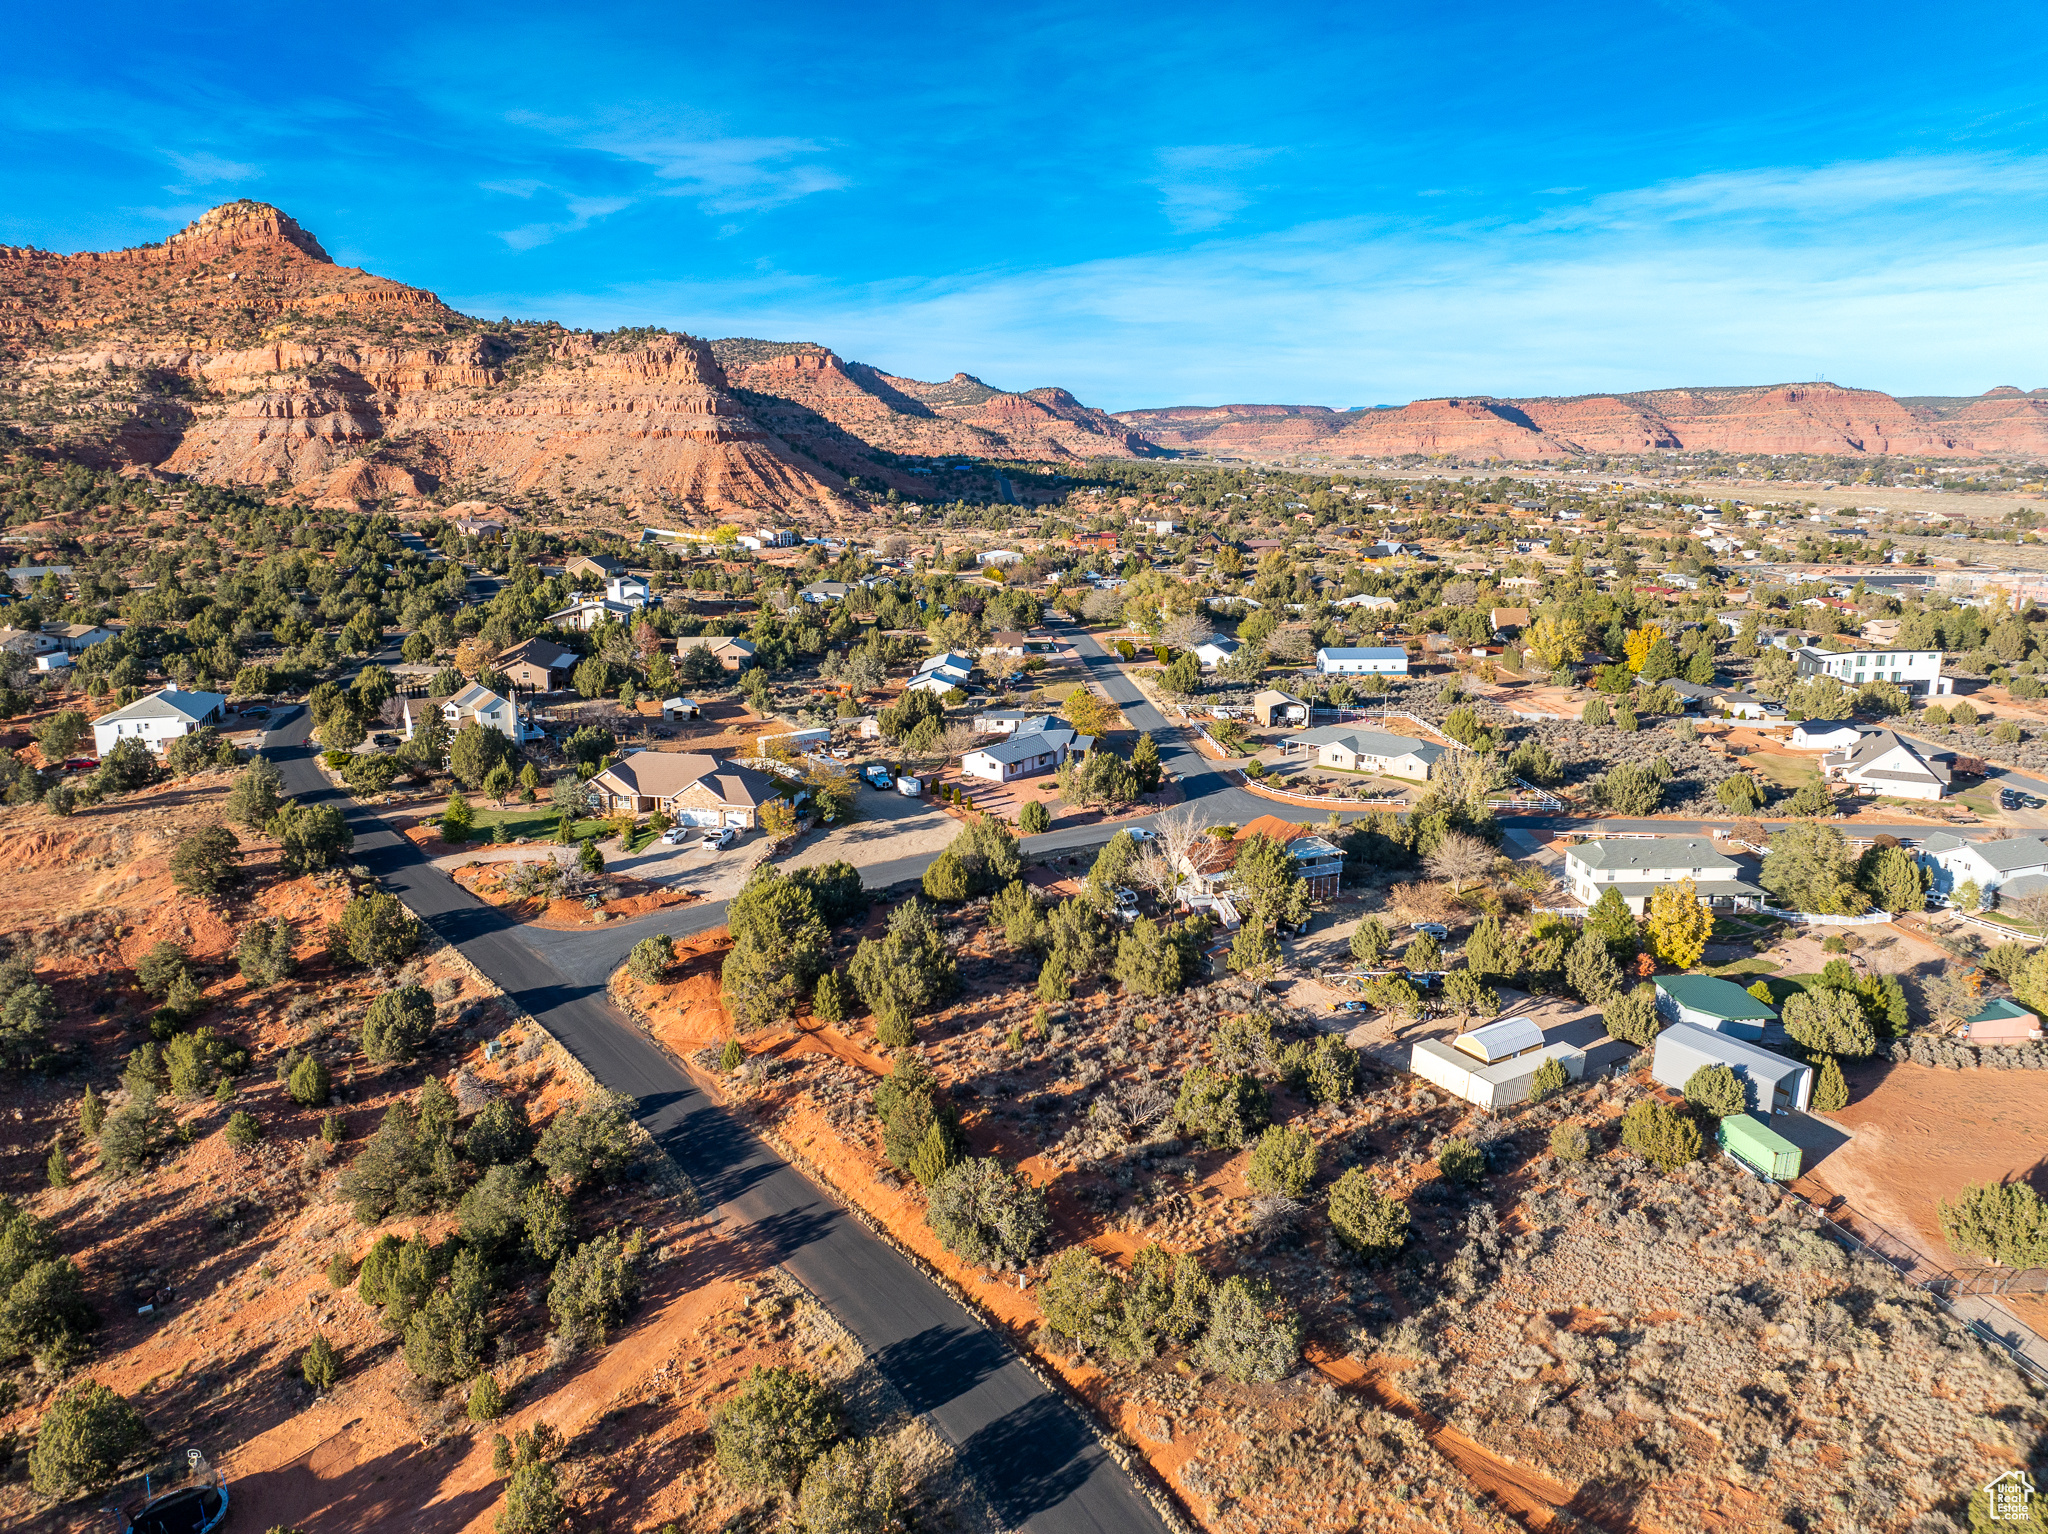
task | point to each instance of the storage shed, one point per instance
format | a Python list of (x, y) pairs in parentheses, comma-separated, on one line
[(1503, 1040), (1499, 1085), (1759, 1147), (2003, 1021), (1773, 1082)]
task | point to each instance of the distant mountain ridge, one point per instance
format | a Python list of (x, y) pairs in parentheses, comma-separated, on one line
[(1820, 418)]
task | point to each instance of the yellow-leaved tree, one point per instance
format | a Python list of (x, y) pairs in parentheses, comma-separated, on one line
[(1678, 924), (1641, 642), (1557, 641)]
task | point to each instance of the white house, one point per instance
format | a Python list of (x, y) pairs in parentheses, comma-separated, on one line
[(1215, 651), (1917, 672), (1636, 866), (28, 642), (585, 616), (1366, 600), (627, 591), (1352, 750), (76, 638), (1037, 745), (999, 557), (1825, 735), (2013, 868), (1160, 529), (473, 703), (1376, 660), (1881, 763), (1003, 721), (161, 716), (822, 593)]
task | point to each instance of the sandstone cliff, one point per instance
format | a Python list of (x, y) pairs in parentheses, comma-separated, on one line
[(838, 409), (238, 352), (1816, 418)]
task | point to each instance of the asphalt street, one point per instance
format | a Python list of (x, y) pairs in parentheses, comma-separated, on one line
[(1032, 1452)]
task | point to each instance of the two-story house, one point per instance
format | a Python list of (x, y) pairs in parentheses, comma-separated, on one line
[(474, 704), (537, 665), (1636, 867), (1916, 672), (2010, 869), (1316, 859)]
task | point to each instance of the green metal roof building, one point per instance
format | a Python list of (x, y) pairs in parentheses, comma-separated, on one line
[(1706, 1001)]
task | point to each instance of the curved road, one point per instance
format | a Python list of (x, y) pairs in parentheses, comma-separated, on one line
[(1032, 1452)]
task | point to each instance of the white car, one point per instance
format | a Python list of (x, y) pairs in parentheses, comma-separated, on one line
[(1435, 929), (676, 837), (718, 839), (1141, 833)]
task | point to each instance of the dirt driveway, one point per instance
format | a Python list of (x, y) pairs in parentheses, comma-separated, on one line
[(890, 827)]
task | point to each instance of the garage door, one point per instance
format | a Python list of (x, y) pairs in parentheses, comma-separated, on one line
[(736, 818), (696, 817)]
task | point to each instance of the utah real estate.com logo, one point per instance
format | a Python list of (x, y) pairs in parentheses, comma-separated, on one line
[(2006, 1499)]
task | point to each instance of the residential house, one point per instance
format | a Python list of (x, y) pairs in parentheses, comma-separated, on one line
[(31, 643), (2004, 1021), (1825, 735), (1916, 672), (1006, 642), (1353, 750), (1215, 652), (474, 704), (1371, 660), (582, 617), (28, 577), (690, 788), (1707, 1001), (1317, 860), (162, 716), (1881, 763), (999, 557), (729, 650), (1390, 550), (480, 528), (537, 665), (770, 538), (602, 566), (1036, 745), (2009, 869), (76, 638), (1364, 599), (628, 591), (681, 708), (1883, 631), (1006, 721), (1507, 619), (1160, 529), (1271, 707), (824, 593), (1636, 866), (1726, 702)]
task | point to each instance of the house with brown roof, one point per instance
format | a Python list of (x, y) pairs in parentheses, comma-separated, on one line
[(1316, 859), (729, 650), (603, 566), (691, 788), (537, 665)]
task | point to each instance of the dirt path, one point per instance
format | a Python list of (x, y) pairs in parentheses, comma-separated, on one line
[(827, 1041), (1532, 1498)]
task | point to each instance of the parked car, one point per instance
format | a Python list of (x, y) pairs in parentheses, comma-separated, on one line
[(676, 835), (2008, 800), (879, 776), (1349, 1006), (1127, 904), (258, 712), (384, 742), (1435, 929), (720, 838), (1142, 833)]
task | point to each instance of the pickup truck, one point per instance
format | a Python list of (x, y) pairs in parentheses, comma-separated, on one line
[(879, 776)]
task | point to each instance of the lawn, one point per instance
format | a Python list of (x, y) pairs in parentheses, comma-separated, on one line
[(1749, 966), (537, 822), (1782, 770)]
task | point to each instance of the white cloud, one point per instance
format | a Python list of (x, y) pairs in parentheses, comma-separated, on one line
[(581, 210), (724, 175), (205, 169), (1200, 185), (1897, 275)]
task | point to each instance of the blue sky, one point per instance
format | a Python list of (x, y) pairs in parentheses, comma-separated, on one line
[(1311, 204)]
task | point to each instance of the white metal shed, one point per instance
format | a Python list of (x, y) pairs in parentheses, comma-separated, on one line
[(1440, 1065), (1511, 1081), (1774, 1082), (1503, 1040)]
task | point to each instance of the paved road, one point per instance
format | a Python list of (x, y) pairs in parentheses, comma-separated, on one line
[(1031, 1451)]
